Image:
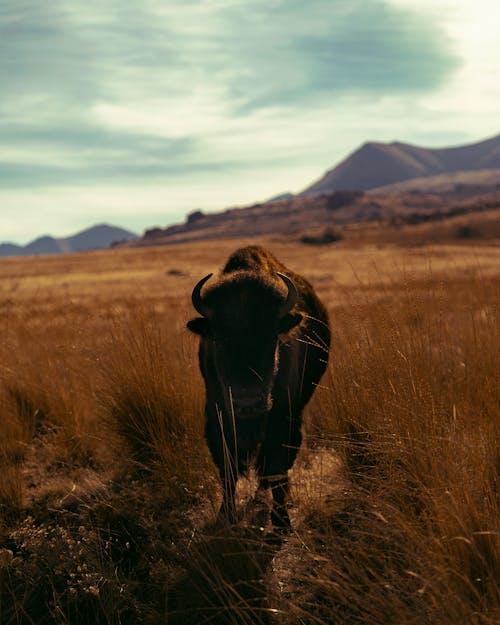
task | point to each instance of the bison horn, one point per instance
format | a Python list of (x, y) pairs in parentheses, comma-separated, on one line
[(196, 296), (292, 296)]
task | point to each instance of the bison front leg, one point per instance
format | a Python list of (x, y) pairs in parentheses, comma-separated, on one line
[(228, 479), (223, 452), (276, 457), (279, 488)]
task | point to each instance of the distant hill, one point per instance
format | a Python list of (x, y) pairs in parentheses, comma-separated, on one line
[(347, 211), (96, 237), (280, 197), (460, 182), (376, 165)]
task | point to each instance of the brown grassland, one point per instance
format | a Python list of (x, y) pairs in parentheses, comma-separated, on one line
[(108, 497)]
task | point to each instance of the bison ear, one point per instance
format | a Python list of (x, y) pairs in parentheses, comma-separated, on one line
[(289, 321), (199, 325)]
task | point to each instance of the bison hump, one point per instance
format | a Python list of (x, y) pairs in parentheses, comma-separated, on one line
[(252, 258)]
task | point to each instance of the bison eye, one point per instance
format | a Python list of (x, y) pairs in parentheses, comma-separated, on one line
[(289, 321)]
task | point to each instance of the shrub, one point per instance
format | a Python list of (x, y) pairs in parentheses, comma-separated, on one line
[(467, 232), (342, 198), (329, 235)]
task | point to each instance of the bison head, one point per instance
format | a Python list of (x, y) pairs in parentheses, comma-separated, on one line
[(242, 320)]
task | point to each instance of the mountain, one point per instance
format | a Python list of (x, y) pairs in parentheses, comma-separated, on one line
[(379, 164), (96, 237)]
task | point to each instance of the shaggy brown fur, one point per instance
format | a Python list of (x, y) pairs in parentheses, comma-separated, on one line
[(260, 369)]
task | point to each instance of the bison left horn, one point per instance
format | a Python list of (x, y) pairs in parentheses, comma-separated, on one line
[(196, 296), (292, 296)]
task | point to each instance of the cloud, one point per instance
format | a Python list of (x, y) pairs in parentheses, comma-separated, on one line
[(87, 152), (277, 52), (79, 74), (293, 52)]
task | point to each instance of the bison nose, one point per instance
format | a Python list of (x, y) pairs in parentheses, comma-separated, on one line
[(247, 403)]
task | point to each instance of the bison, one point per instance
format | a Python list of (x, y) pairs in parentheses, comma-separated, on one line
[(264, 342)]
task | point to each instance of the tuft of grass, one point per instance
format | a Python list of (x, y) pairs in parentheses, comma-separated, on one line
[(223, 580), (153, 406)]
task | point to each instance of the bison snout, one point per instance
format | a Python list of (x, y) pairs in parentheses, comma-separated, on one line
[(248, 405), (257, 411)]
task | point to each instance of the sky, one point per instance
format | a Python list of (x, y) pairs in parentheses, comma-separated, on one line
[(138, 113)]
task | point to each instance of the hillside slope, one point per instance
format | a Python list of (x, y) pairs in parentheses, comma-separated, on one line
[(459, 182), (343, 210)]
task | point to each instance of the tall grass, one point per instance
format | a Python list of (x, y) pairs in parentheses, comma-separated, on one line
[(102, 461), (107, 493), (414, 409), (149, 399)]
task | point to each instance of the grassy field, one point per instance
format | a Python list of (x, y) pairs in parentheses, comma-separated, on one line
[(108, 497)]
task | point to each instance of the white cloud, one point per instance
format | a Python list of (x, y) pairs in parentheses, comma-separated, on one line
[(43, 153), (198, 112), (469, 99)]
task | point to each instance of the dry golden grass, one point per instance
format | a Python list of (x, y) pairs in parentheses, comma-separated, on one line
[(107, 493)]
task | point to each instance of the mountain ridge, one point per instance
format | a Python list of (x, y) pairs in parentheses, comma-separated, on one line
[(98, 236), (377, 164)]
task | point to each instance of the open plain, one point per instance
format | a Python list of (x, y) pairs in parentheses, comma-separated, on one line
[(108, 497)]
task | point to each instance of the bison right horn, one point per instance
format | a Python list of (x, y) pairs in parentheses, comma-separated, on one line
[(196, 297), (292, 296)]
